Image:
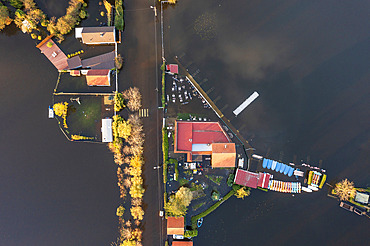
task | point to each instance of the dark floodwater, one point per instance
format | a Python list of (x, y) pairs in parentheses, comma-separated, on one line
[(307, 59)]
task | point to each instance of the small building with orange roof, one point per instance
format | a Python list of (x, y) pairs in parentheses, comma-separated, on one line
[(175, 225), (98, 77), (223, 155), (182, 243)]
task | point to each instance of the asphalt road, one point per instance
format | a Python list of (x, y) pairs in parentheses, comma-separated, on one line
[(141, 53)]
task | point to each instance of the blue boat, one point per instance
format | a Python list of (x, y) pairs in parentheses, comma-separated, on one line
[(200, 222), (282, 168), (286, 170), (269, 162), (290, 173), (273, 165), (264, 163), (278, 165)]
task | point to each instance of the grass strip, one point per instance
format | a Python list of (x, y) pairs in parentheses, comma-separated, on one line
[(163, 85)]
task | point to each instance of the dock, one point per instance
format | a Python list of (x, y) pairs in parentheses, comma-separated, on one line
[(218, 112), (246, 103)]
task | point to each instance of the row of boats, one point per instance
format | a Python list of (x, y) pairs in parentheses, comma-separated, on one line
[(285, 187), (277, 167)]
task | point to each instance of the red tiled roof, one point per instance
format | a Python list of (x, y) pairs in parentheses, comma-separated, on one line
[(223, 155), (263, 180), (182, 243), (98, 77), (93, 72), (246, 178), (188, 133), (175, 226), (173, 68), (184, 133)]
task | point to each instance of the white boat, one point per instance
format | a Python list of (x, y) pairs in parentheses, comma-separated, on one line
[(306, 189), (51, 112), (313, 188)]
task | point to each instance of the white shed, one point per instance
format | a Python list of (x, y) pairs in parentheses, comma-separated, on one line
[(106, 130)]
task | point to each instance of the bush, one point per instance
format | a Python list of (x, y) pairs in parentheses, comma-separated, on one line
[(18, 4), (118, 61), (83, 14), (191, 233), (119, 102), (230, 180), (118, 20)]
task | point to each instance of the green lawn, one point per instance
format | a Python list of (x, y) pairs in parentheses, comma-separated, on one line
[(82, 119)]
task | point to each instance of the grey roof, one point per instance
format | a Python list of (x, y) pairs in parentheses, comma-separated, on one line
[(104, 61), (362, 197), (74, 62), (98, 35)]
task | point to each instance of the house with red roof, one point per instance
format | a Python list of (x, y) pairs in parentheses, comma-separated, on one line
[(205, 138), (251, 179), (175, 225), (98, 77)]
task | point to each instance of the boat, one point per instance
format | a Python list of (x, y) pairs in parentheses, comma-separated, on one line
[(313, 188), (278, 165), (286, 170), (282, 167), (273, 165), (264, 163), (346, 206), (51, 112), (269, 162), (200, 222), (306, 189), (290, 172)]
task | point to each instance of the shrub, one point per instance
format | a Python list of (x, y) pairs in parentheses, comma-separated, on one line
[(118, 20), (118, 61), (230, 180), (191, 233), (4, 17)]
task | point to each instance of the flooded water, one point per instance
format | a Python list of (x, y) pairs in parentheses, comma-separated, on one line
[(309, 63), (307, 59)]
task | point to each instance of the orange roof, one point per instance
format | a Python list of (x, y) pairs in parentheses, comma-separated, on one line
[(223, 155), (175, 226), (98, 77), (182, 243)]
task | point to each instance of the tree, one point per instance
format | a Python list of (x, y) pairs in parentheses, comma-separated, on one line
[(137, 212), (4, 17), (178, 203), (242, 192), (344, 190), (118, 61), (60, 108), (119, 102), (120, 211), (134, 98)]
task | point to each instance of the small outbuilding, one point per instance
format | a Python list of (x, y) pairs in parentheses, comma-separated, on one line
[(175, 225), (98, 77), (172, 68), (182, 243), (106, 130)]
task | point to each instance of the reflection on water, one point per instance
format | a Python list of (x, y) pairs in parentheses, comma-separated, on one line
[(309, 63)]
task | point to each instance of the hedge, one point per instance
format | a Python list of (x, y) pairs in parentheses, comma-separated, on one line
[(195, 218)]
